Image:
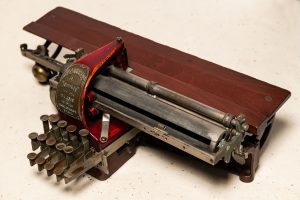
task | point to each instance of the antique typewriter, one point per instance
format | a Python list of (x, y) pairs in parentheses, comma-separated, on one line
[(117, 89)]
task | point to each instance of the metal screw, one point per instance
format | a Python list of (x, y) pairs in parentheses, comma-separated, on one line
[(119, 39), (90, 97), (44, 119), (92, 112), (268, 98), (34, 142), (245, 126), (103, 139)]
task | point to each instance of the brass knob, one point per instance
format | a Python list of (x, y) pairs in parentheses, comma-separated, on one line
[(40, 73)]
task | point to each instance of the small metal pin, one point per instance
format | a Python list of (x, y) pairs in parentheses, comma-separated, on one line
[(31, 157), (245, 126), (40, 161), (53, 119), (42, 139), (59, 172), (268, 98), (119, 39), (71, 130), (60, 147), (44, 119), (53, 162), (84, 140), (68, 150), (62, 124), (49, 167), (50, 142), (103, 139), (34, 142), (84, 133)]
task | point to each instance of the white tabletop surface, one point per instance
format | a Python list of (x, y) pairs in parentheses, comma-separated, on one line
[(255, 37)]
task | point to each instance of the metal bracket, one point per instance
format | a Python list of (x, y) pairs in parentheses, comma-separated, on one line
[(105, 127)]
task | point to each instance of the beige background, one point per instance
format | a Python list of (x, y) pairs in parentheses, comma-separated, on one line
[(258, 38)]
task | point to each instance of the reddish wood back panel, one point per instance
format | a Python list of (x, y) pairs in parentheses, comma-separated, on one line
[(199, 79)]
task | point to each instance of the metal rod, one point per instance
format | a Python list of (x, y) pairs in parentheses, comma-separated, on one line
[(153, 88), (44, 119), (43, 60), (56, 52), (148, 125), (137, 98)]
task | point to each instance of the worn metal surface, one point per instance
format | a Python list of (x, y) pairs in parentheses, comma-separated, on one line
[(70, 88), (206, 82), (168, 134), (119, 91), (60, 156), (40, 56), (178, 80), (198, 136), (105, 127), (218, 134), (152, 88)]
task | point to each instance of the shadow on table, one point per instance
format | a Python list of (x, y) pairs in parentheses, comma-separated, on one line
[(278, 132)]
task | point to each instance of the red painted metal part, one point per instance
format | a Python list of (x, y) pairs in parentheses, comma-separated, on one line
[(96, 61)]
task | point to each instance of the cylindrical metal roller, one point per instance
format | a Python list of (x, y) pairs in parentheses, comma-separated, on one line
[(153, 88), (181, 119)]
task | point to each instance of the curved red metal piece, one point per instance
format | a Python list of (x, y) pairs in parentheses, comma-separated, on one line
[(113, 53)]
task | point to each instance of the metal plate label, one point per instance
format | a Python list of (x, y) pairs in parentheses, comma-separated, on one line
[(70, 89)]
